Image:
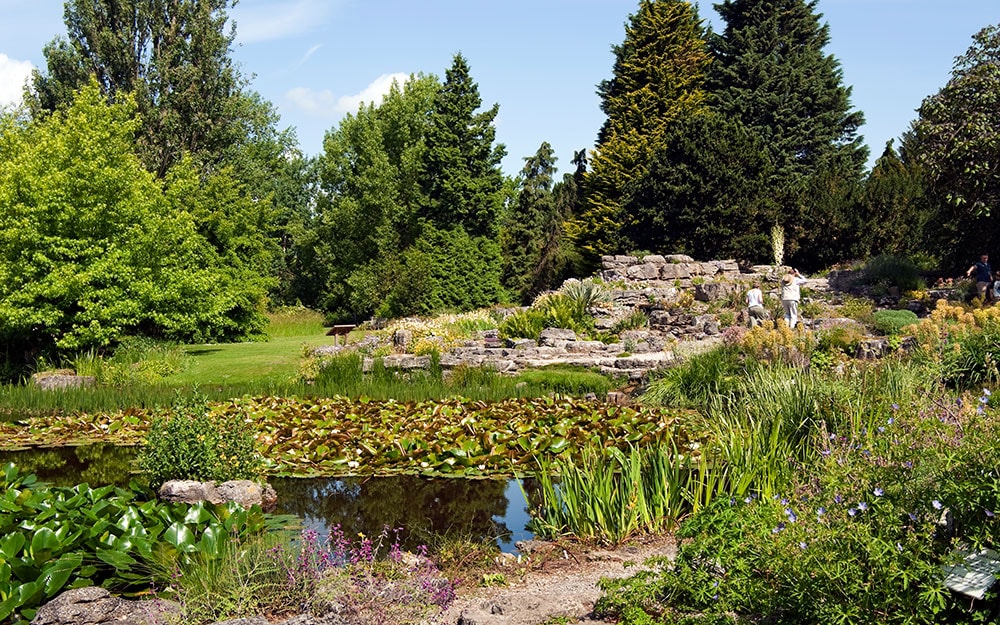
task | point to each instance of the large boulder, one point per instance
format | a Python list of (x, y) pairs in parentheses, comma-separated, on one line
[(97, 606), (244, 492)]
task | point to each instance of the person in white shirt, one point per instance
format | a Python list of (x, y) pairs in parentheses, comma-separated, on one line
[(755, 306), (790, 295)]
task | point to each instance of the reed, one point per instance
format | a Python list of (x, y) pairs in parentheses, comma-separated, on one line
[(610, 495)]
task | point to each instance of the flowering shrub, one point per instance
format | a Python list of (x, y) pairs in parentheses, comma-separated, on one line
[(961, 342), (858, 538), (781, 344), (366, 581)]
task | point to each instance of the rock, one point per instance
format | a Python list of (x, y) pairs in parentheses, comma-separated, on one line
[(679, 258), (96, 606), (406, 362), (189, 491), (401, 339), (556, 337), (255, 620), (63, 378), (712, 291), (243, 492)]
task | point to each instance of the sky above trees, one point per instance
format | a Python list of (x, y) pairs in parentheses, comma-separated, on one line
[(540, 61)]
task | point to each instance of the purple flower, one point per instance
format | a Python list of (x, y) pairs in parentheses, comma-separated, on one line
[(895, 406), (989, 513), (899, 548), (881, 429), (937, 504), (802, 544), (825, 452), (791, 515), (784, 501), (862, 505), (852, 511), (908, 464), (779, 527), (878, 492), (820, 511), (912, 516), (890, 421), (838, 499)]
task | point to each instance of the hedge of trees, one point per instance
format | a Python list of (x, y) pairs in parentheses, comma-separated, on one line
[(145, 189)]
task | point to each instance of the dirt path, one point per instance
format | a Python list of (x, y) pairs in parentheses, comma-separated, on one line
[(552, 582)]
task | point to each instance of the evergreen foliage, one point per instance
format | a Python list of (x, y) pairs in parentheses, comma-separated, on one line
[(706, 192), (658, 76), (529, 224), (770, 72), (460, 174), (894, 208)]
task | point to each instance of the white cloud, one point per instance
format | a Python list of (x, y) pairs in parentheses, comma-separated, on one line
[(327, 103), (256, 22), (13, 74)]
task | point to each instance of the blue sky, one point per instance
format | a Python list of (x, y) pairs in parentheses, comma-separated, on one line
[(540, 60)]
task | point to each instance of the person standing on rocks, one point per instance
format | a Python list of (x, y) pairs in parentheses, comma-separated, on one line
[(984, 275), (755, 306), (790, 295)]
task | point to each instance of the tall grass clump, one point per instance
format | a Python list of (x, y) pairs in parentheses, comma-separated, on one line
[(137, 361), (610, 495), (295, 321), (693, 382)]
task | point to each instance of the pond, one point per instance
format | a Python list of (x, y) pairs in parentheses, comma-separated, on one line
[(427, 509)]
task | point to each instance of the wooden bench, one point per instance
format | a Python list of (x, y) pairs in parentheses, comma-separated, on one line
[(341, 330)]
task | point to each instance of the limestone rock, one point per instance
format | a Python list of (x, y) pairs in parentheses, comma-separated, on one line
[(96, 606)]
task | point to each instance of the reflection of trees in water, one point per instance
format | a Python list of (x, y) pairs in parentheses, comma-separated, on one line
[(97, 465), (423, 507)]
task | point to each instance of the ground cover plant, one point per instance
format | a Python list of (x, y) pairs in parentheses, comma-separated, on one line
[(55, 538)]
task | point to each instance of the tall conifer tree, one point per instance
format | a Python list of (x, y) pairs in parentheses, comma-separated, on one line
[(658, 76), (770, 73), (461, 177)]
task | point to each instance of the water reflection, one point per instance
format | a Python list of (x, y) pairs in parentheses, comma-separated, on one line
[(425, 508)]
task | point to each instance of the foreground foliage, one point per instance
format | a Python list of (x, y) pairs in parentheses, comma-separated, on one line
[(58, 538)]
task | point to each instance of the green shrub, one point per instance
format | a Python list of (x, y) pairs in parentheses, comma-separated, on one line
[(189, 442), (891, 322), (854, 539), (887, 270), (524, 324), (633, 321), (858, 308)]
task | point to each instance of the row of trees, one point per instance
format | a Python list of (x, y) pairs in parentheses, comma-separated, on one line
[(147, 190)]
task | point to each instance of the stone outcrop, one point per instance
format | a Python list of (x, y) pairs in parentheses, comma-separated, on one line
[(675, 270), (244, 492), (96, 606), (61, 379)]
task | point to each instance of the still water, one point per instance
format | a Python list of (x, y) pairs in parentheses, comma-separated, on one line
[(427, 509)]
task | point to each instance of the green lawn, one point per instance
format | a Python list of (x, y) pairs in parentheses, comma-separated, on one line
[(276, 360)]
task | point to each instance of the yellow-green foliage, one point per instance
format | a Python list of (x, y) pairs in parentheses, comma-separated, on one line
[(949, 322), (778, 344)]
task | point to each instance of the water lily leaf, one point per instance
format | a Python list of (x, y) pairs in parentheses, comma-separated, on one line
[(117, 559)]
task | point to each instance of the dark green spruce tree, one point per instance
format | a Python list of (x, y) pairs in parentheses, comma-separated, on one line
[(462, 193), (895, 208), (770, 72), (527, 223), (658, 76)]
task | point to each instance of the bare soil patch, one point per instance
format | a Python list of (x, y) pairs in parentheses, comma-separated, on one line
[(553, 581)]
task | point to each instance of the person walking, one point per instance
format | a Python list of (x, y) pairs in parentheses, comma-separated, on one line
[(790, 295), (755, 306), (984, 275)]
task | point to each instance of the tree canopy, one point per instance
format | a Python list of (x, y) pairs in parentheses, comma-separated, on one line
[(93, 247)]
